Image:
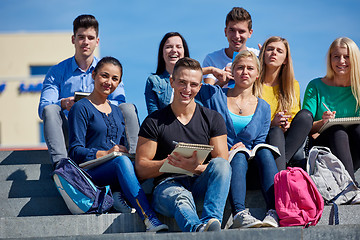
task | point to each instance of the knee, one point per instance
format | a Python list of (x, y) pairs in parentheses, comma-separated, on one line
[(239, 160), (276, 132), (51, 112), (264, 156), (220, 166), (124, 163), (184, 198), (339, 130), (170, 194), (305, 116)]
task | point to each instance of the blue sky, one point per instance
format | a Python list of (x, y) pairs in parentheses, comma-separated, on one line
[(131, 30)]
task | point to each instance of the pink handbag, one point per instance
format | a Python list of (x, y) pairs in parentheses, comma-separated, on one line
[(297, 200)]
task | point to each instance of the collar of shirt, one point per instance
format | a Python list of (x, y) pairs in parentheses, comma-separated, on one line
[(74, 65)]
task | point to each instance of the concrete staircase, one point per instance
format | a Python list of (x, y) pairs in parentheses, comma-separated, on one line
[(31, 207)]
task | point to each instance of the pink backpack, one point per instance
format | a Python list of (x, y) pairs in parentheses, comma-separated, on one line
[(297, 200)]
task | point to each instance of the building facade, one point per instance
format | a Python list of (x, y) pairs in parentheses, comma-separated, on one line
[(26, 58)]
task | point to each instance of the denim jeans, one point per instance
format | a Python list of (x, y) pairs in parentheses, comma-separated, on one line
[(267, 169), (119, 173), (177, 197)]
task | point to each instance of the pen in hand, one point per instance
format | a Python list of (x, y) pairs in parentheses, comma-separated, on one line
[(326, 107), (113, 142)]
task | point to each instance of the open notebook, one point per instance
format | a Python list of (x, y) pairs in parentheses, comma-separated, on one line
[(186, 150), (96, 162), (340, 121)]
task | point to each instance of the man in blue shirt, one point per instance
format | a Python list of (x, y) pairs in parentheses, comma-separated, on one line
[(64, 79)]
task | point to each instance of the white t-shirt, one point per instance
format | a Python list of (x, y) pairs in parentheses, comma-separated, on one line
[(220, 60)]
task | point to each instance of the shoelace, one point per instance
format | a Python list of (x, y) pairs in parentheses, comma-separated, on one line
[(272, 214), (154, 221), (122, 201), (243, 213)]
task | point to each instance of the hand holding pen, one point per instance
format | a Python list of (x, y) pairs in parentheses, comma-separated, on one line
[(117, 147), (327, 114)]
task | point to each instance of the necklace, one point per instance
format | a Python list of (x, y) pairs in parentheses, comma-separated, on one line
[(240, 110)]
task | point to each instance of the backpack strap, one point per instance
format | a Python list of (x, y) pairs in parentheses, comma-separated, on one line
[(102, 198), (335, 212)]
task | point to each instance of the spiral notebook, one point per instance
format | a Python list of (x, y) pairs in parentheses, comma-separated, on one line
[(96, 162), (340, 121), (186, 150)]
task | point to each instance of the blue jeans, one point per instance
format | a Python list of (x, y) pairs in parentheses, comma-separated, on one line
[(176, 197), (267, 169), (119, 173)]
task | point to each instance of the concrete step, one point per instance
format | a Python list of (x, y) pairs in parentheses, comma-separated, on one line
[(31, 207), (25, 172), (91, 224), (38, 206), (31, 188), (348, 232), (41, 198), (24, 157)]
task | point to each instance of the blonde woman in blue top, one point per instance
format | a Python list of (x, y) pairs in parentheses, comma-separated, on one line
[(247, 119), (339, 91)]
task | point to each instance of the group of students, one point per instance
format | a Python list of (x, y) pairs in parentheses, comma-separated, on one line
[(249, 97)]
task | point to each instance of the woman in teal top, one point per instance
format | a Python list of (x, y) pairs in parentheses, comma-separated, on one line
[(339, 91)]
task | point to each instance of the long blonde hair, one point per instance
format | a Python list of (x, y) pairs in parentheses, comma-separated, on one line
[(248, 54), (286, 95), (354, 57)]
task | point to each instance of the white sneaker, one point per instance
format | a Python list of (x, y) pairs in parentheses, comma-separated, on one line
[(271, 219), (120, 204), (153, 224), (244, 219)]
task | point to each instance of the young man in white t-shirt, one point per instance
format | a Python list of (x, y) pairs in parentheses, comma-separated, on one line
[(238, 28)]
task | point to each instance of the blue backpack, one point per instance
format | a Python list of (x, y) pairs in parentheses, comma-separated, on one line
[(78, 191)]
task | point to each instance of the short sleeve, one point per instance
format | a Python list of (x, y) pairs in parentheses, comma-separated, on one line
[(149, 129), (218, 126), (310, 98), (208, 63)]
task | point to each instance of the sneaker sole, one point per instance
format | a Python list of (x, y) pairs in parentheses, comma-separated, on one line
[(269, 224), (161, 228), (251, 225)]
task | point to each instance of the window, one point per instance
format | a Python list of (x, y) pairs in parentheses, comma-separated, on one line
[(39, 70)]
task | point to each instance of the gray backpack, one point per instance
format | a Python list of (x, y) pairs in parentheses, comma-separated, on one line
[(330, 176)]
